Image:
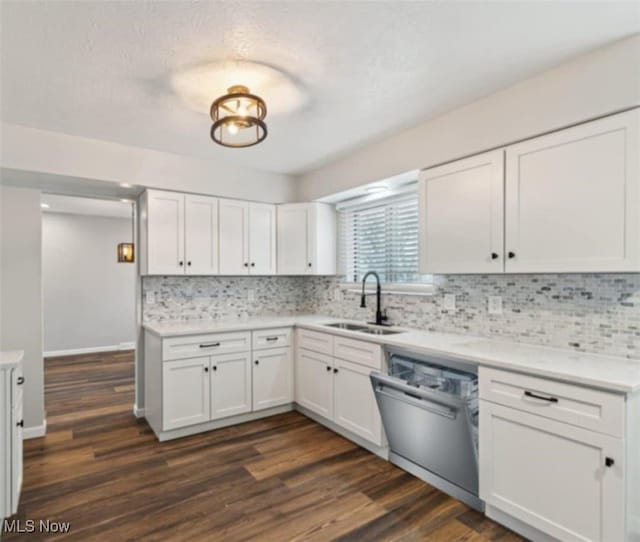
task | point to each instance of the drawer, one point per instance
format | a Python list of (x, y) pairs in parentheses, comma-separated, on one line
[(361, 352), (271, 338), (315, 341), (204, 345), (591, 409)]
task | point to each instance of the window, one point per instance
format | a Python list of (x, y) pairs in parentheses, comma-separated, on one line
[(382, 236)]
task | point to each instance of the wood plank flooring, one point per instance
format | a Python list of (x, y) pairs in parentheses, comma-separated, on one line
[(284, 478)]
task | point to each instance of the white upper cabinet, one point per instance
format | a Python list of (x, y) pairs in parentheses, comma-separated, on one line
[(461, 214), (165, 233), (306, 239), (234, 237), (262, 239), (571, 203), (573, 199), (201, 235)]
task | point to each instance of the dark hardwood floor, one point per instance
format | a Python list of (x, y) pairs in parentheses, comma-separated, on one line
[(283, 478)]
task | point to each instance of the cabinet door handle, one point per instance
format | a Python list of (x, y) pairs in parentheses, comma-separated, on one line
[(257, 362), (511, 255), (180, 263), (494, 256), (541, 397), (215, 367), (20, 423), (253, 264), (246, 264), (206, 369), (608, 461), (209, 345), (20, 380), (271, 339), (189, 264), (328, 368), (335, 370), (309, 264)]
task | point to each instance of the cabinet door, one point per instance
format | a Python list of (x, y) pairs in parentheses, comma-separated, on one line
[(321, 239), (272, 378), (461, 216), (293, 239), (355, 406), (201, 235), (552, 475), (185, 392), (230, 384), (234, 237), (165, 233), (314, 382), (16, 456), (262, 239), (573, 199)]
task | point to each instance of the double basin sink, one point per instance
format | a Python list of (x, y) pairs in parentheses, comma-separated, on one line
[(361, 328)]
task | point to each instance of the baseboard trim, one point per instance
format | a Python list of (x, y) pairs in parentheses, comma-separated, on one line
[(36, 431), (138, 412), (90, 350)]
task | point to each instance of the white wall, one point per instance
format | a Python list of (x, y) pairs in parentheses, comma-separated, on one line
[(595, 84), (55, 153), (21, 291), (88, 297)]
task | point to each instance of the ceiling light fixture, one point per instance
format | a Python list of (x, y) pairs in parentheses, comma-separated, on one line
[(126, 251), (238, 118)]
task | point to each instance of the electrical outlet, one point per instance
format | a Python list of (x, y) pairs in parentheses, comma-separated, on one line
[(150, 298), (450, 302), (495, 304), (251, 296)]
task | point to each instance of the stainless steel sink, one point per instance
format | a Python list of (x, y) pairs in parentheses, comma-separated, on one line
[(363, 329), (379, 331), (347, 326)]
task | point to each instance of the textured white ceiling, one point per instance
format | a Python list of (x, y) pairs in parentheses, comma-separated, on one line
[(101, 69)]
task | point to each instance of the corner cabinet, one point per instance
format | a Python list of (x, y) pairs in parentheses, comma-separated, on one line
[(571, 203), (306, 239)]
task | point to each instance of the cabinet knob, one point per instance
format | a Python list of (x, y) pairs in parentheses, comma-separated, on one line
[(189, 264), (511, 255), (253, 264), (206, 369), (328, 368), (20, 380), (335, 370), (257, 362), (215, 368), (609, 462), (246, 264), (180, 263), (309, 264), (20, 423), (494, 255)]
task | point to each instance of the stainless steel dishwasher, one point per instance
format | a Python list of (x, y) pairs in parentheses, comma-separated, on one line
[(429, 409)]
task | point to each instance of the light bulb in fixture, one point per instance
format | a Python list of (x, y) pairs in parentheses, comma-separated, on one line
[(233, 129)]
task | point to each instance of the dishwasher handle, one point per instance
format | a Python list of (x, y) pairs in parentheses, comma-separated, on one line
[(395, 389)]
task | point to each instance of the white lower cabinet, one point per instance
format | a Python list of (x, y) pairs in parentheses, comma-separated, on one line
[(354, 403), (564, 480), (230, 376), (336, 388), (185, 392), (314, 382), (272, 378)]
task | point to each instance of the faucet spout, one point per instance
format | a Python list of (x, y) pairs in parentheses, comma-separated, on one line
[(379, 318)]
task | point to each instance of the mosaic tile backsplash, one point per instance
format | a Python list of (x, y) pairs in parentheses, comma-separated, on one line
[(588, 312)]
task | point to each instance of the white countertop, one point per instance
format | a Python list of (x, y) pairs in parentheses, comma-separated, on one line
[(606, 372), (10, 358)]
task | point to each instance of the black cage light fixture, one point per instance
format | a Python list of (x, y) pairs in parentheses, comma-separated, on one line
[(126, 251), (238, 118)]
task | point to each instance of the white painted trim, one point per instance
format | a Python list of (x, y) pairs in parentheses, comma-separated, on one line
[(35, 431), (90, 350), (138, 412), (420, 289)]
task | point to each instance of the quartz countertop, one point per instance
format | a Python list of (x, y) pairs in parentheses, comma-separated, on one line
[(605, 372), (10, 358)]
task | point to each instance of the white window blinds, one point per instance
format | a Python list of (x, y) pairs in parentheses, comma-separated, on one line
[(382, 236)]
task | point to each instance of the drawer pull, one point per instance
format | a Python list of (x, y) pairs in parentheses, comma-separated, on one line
[(271, 339), (209, 345), (20, 380), (541, 397), (608, 461)]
